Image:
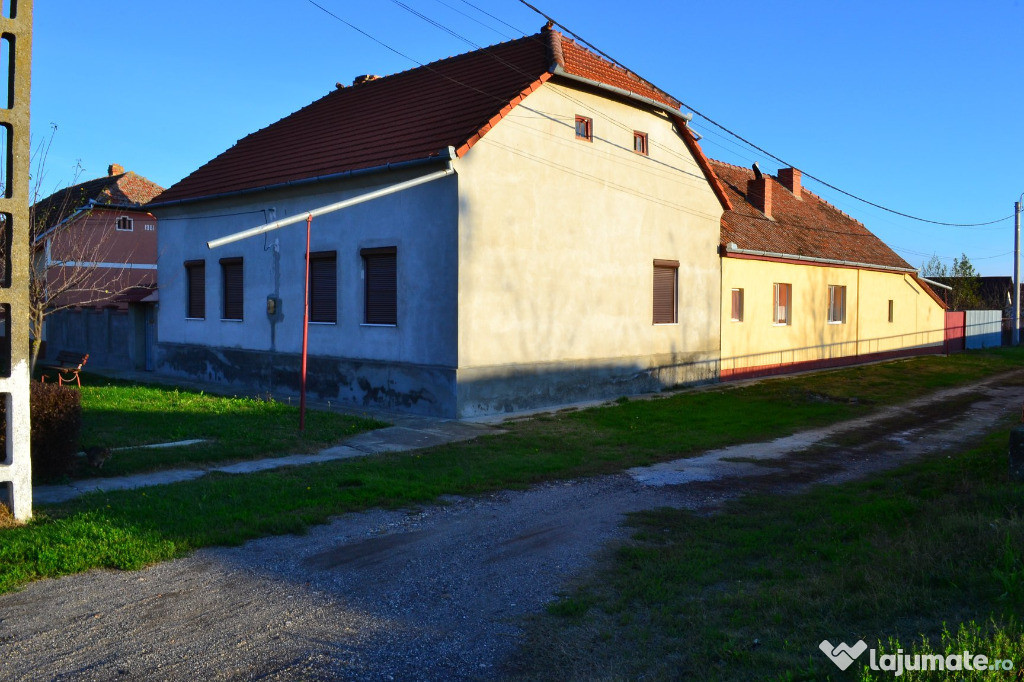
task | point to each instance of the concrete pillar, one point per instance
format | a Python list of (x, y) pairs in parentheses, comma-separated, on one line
[(15, 464), (1017, 454)]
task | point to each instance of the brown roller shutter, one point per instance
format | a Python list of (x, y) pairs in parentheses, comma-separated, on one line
[(323, 286), (665, 291), (231, 269), (195, 271), (381, 266)]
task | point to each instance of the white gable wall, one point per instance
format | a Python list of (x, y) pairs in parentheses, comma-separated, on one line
[(557, 238)]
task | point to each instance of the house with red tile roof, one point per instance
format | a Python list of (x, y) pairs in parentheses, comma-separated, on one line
[(95, 248), (804, 285), (570, 253)]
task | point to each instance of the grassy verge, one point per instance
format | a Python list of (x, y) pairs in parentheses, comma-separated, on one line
[(119, 414), (133, 528), (750, 593)]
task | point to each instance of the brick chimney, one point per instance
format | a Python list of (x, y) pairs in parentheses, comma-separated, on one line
[(759, 194), (115, 169), (790, 179)]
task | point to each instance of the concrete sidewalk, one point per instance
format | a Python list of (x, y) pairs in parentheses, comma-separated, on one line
[(408, 433)]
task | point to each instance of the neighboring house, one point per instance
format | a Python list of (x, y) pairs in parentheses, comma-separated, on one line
[(96, 249), (572, 255), (804, 285), (994, 293)]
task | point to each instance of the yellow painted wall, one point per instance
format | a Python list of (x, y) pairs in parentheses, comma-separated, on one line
[(557, 238), (756, 341)]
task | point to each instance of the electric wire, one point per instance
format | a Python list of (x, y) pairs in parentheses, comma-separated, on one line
[(761, 149), (474, 19), (458, 36)]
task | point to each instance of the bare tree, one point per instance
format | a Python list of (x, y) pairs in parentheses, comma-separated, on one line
[(69, 265)]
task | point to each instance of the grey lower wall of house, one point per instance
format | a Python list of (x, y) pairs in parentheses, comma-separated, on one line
[(432, 390), (418, 389), (511, 388), (107, 335)]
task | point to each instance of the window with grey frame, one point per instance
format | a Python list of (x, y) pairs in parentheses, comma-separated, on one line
[(195, 296), (323, 286), (232, 280), (380, 282)]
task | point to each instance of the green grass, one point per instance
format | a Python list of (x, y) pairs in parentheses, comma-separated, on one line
[(119, 414), (934, 547), (132, 528)]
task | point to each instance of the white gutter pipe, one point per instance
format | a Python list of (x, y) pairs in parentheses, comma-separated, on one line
[(934, 283), (330, 208), (730, 248), (559, 71)]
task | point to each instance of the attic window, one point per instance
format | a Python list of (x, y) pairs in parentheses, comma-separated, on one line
[(125, 224), (584, 128), (640, 142)]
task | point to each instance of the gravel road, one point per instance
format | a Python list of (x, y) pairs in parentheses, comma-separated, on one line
[(435, 593)]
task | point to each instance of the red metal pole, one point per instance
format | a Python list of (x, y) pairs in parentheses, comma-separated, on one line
[(305, 331)]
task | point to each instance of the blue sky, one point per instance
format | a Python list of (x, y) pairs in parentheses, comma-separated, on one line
[(914, 105)]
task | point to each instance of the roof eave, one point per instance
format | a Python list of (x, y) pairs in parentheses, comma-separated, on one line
[(559, 70), (729, 249), (445, 154)]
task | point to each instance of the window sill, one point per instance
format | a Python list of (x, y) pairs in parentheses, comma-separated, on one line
[(664, 324), (781, 324), (324, 324), (195, 319), (232, 319), (735, 320), (370, 324), (838, 322)]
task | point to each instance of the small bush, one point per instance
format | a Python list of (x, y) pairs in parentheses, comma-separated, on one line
[(56, 429), (7, 518)]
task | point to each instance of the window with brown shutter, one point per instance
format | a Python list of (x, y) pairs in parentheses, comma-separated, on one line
[(380, 267), (666, 277), (231, 277), (323, 286), (195, 280)]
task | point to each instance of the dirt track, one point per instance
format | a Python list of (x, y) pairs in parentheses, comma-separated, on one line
[(434, 593)]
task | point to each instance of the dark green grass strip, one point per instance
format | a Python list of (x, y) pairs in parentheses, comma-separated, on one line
[(134, 528)]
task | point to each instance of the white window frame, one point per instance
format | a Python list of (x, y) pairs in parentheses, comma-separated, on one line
[(787, 319), (127, 220), (837, 305)]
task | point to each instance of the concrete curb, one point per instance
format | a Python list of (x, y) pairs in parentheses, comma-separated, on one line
[(413, 435)]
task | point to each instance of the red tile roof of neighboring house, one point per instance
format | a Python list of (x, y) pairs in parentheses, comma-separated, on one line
[(129, 190), (412, 115), (809, 227)]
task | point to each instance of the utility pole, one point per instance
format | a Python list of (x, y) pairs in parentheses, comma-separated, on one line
[(1016, 272)]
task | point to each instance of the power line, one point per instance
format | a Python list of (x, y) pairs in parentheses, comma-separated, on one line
[(758, 148), (474, 19)]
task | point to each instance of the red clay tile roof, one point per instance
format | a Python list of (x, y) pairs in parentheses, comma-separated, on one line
[(580, 61), (808, 227), (124, 189), (412, 115)]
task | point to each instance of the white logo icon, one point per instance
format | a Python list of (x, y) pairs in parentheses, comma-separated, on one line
[(842, 654)]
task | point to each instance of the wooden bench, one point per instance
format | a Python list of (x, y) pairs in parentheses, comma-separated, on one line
[(67, 365)]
